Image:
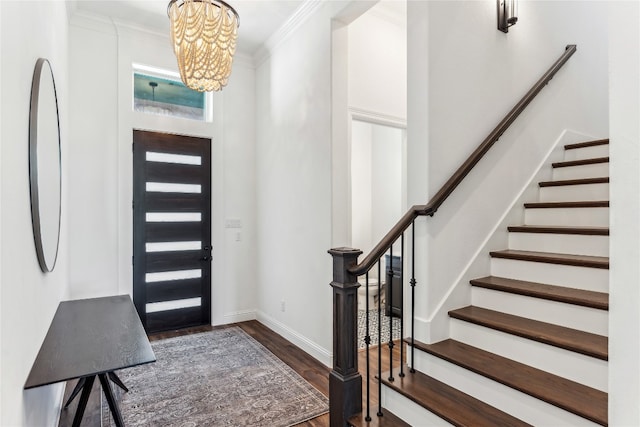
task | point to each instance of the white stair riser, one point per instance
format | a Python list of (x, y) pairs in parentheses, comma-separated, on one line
[(591, 279), (408, 410), (506, 399), (571, 217), (575, 193), (582, 171), (587, 152), (576, 244), (574, 366), (571, 316)]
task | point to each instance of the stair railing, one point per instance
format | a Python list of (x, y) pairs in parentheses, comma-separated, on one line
[(345, 381)]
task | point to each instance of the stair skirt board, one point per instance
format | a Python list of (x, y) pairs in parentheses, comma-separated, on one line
[(581, 171), (570, 217), (568, 315), (504, 398), (586, 153), (575, 193), (412, 413), (591, 279), (560, 243), (577, 367)]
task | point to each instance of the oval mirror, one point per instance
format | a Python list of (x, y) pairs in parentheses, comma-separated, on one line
[(44, 165)]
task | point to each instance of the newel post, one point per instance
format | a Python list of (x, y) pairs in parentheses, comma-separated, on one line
[(345, 382)]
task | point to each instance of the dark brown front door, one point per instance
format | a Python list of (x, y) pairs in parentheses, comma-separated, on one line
[(171, 230)]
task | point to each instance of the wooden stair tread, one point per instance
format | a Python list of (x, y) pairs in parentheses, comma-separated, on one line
[(389, 419), (556, 205), (581, 162), (554, 229), (579, 399), (587, 144), (569, 339), (454, 406), (581, 181), (581, 297), (553, 258)]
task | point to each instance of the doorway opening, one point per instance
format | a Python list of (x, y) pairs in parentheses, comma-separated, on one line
[(378, 200)]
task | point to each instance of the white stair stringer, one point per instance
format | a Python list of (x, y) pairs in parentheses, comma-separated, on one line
[(575, 193), (590, 279), (581, 171), (504, 398), (572, 316), (587, 152), (587, 370), (570, 217), (577, 244), (409, 411)]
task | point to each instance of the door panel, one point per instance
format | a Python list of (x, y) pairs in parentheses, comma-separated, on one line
[(172, 230)]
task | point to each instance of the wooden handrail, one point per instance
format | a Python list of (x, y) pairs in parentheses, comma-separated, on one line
[(464, 169)]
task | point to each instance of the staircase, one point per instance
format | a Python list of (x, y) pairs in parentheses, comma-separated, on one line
[(532, 349)]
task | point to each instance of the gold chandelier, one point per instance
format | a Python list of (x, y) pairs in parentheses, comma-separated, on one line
[(204, 35)]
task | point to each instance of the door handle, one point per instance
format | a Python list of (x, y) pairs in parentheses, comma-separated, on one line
[(207, 253)]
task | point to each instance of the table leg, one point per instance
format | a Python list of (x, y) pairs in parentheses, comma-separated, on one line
[(111, 400), (75, 391), (84, 397), (117, 381)]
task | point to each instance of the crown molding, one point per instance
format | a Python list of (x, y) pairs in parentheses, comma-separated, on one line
[(301, 14), (376, 117), (244, 60), (98, 22)]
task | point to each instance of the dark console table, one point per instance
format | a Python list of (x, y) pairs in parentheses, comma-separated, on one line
[(89, 338)]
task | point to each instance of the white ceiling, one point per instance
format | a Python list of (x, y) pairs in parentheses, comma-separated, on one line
[(258, 18)]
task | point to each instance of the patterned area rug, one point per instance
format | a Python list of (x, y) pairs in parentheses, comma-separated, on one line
[(218, 378)]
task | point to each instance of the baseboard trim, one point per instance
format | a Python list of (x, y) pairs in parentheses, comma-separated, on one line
[(323, 355), (239, 316)]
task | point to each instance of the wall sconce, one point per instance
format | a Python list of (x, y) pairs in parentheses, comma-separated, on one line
[(507, 14)]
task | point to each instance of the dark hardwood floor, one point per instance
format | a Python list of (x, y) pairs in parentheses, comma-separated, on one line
[(305, 365)]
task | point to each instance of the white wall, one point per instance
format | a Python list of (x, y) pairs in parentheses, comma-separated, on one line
[(294, 181), (386, 180), (376, 182), (378, 61), (101, 168), (28, 297), (624, 151), (361, 188), (474, 74)]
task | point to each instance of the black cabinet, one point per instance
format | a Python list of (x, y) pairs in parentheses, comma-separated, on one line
[(393, 286)]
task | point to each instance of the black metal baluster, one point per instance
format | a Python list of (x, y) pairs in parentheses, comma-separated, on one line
[(401, 374), (367, 341), (413, 294), (390, 302), (379, 341)]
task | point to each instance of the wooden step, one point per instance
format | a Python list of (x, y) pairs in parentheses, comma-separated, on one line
[(598, 300), (388, 419), (554, 229), (556, 205), (571, 396), (569, 339), (552, 258), (582, 181), (448, 403), (580, 162), (586, 144)]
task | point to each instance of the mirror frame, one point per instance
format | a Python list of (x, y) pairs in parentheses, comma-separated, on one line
[(45, 265)]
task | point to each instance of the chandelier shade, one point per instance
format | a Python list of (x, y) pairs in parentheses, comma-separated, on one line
[(203, 33)]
